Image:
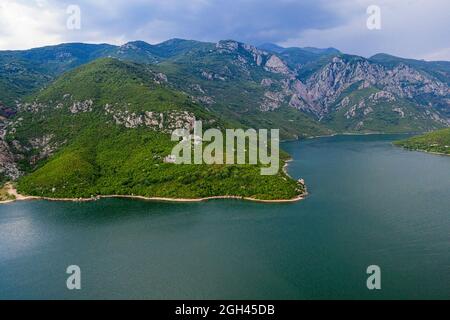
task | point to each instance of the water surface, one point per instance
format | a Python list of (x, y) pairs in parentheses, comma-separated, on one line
[(370, 203)]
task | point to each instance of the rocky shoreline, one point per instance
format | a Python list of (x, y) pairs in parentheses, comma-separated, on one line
[(18, 197), (425, 151)]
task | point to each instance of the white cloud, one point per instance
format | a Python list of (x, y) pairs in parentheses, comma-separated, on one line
[(410, 28), (31, 24)]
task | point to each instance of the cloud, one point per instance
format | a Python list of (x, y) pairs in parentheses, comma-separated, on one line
[(25, 25), (410, 28)]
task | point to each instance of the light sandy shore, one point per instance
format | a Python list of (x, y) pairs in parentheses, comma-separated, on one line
[(12, 191), (7, 201), (423, 151), (430, 152)]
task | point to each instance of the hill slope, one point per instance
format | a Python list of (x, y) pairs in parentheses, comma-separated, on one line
[(437, 141), (104, 129), (244, 85), (300, 91), (23, 72), (296, 89)]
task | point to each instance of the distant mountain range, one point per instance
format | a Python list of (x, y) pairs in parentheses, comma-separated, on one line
[(49, 96), (335, 91)]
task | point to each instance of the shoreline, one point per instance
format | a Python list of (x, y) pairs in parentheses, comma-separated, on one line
[(336, 134), (19, 197), (424, 151), (363, 134), (419, 150), (11, 190)]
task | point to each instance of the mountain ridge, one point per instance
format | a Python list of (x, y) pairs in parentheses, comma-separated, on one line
[(104, 129), (303, 93), (295, 71)]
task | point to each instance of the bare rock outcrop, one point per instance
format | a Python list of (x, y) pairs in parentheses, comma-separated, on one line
[(276, 65), (159, 121)]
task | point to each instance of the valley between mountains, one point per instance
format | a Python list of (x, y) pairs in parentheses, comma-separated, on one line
[(83, 120)]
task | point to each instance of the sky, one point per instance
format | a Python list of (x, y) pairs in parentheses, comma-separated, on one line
[(408, 28)]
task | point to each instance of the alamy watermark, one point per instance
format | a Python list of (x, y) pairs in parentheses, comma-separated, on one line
[(74, 17), (374, 280), (74, 280), (237, 146), (73, 12), (374, 19)]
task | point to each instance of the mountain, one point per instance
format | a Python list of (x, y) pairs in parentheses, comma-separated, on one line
[(23, 72), (340, 92), (235, 80), (437, 141), (376, 97), (297, 58), (142, 52), (301, 91), (325, 51), (345, 93), (272, 47), (439, 69), (104, 129)]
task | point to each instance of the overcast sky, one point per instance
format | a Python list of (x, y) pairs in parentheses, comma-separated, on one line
[(409, 28)]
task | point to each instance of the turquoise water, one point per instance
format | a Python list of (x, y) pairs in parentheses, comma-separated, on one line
[(370, 203)]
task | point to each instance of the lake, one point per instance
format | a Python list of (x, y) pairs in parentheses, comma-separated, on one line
[(370, 203)]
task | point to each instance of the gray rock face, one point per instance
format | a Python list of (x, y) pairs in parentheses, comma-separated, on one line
[(160, 78), (324, 87), (405, 81), (276, 65), (212, 76), (298, 103), (319, 92), (8, 165), (227, 45), (399, 111), (272, 101), (158, 121), (33, 107), (206, 100), (258, 55), (81, 106), (382, 96), (245, 54), (266, 82), (44, 146)]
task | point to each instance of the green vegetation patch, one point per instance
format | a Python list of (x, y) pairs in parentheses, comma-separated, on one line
[(113, 161), (95, 154), (437, 141)]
